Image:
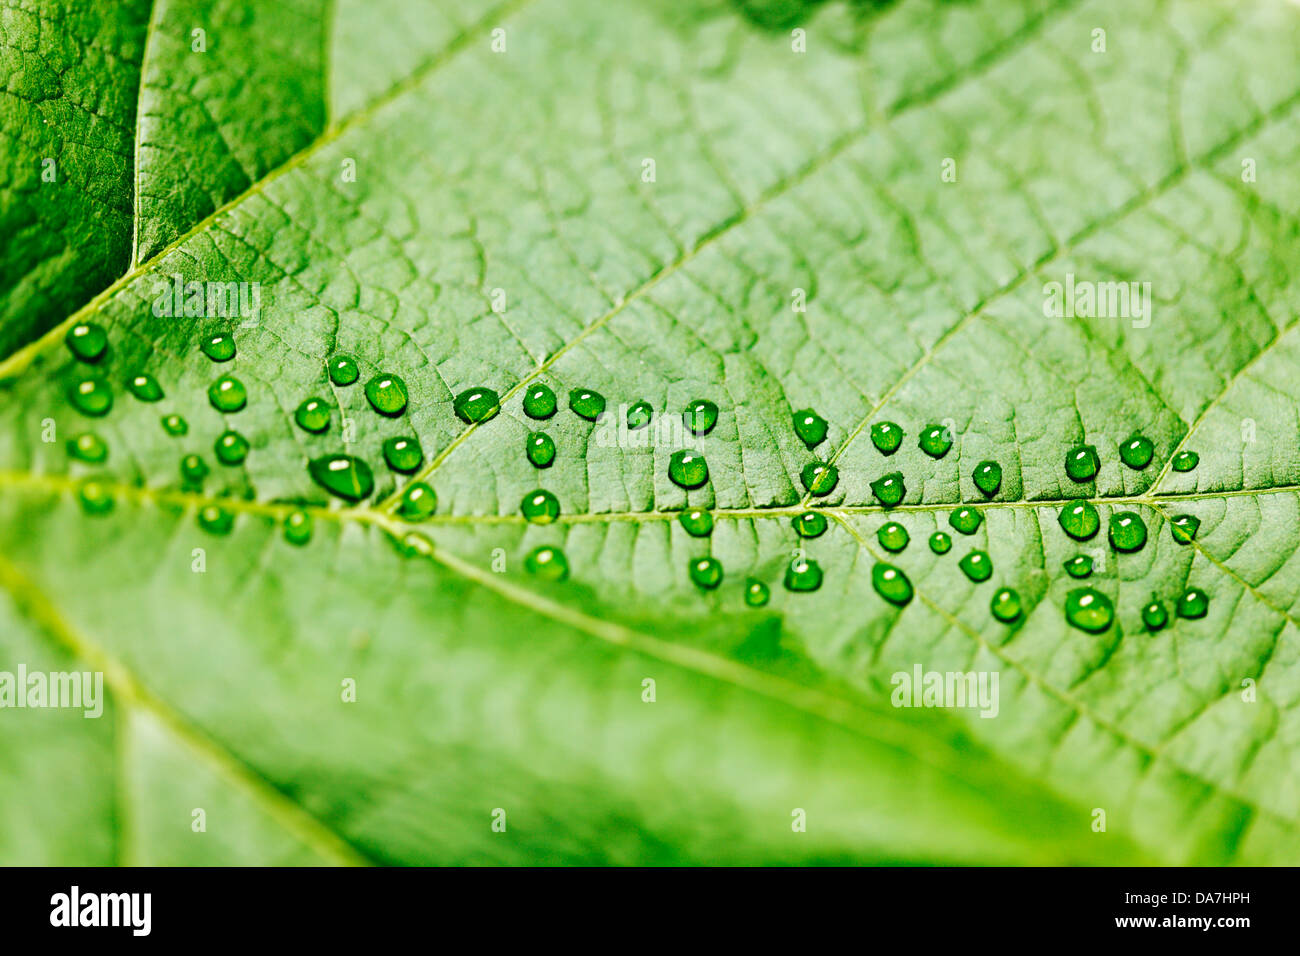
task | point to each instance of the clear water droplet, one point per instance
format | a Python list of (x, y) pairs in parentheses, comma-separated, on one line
[(688, 469), (540, 449), (697, 522), (402, 454), (539, 401), (802, 575), (297, 527), (1154, 614), (1082, 463), (540, 507), (227, 394), (1186, 461), (705, 572), (547, 563), (175, 426), (886, 436), (1193, 603), (1128, 532), (1089, 610), (95, 498), (965, 520), (1005, 605), (231, 448), (313, 415), (820, 478), (1136, 451), (87, 447), (193, 470), (810, 524), (891, 584), (889, 489), (1184, 528), (935, 441), (87, 341), (987, 477), (387, 394), (476, 405), (343, 370), (344, 476), (892, 536), (640, 415), (144, 387), (216, 520), (586, 403), (756, 593), (220, 347), (91, 396), (1079, 566), (1079, 520), (977, 566), (940, 543), (810, 427), (418, 502), (700, 416)]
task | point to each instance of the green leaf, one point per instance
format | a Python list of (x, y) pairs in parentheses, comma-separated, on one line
[(388, 690)]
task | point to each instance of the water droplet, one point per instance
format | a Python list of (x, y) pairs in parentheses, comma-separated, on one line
[(219, 347), (892, 536), (193, 470), (343, 475), (95, 498), (810, 524), (940, 543), (343, 370), (418, 501), (1005, 605), (144, 387), (297, 527), (231, 448), (891, 584), (1128, 532), (1079, 566), (87, 341), (700, 416), (706, 572), (1184, 528), (688, 469), (640, 415), (227, 394), (91, 396), (547, 563), (756, 593), (965, 520), (586, 403), (415, 545), (1081, 462), (987, 477), (1193, 603), (216, 520), (313, 415), (402, 454), (820, 478), (977, 566), (1186, 461), (1079, 520), (1089, 610), (935, 441), (540, 507), (476, 405), (889, 489), (886, 436), (1136, 451), (540, 449), (697, 522), (810, 427), (175, 426), (539, 402), (87, 447), (803, 574), (387, 394), (1154, 614)]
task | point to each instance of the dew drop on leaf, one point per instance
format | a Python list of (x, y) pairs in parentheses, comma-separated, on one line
[(547, 563), (586, 404), (810, 524), (934, 441), (1186, 461), (977, 566), (87, 341), (688, 469), (87, 447), (940, 543), (1136, 451), (988, 478), (1079, 520), (387, 394), (476, 405), (819, 478), (216, 520), (810, 427), (1089, 610), (1079, 566), (889, 489), (144, 387), (700, 416), (297, 527), (1005, 605), (91, 396), (402, 454), (418, 501), (313, 415), (705, 572), (965, 520), (756, 593), (1192, 603), (540, 507), (639, 415), (343, 369), (95, 498), (539, 401), (891, 584), (886, 436), (231, 448), (1082, 463), (227, 394), (540, 449), (893, 536), (175, 426), (220, 347), (1154, 615), (803, 574), (193, 470), (1184, 528), (697, 522), (344, 476), (1128, 532)]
